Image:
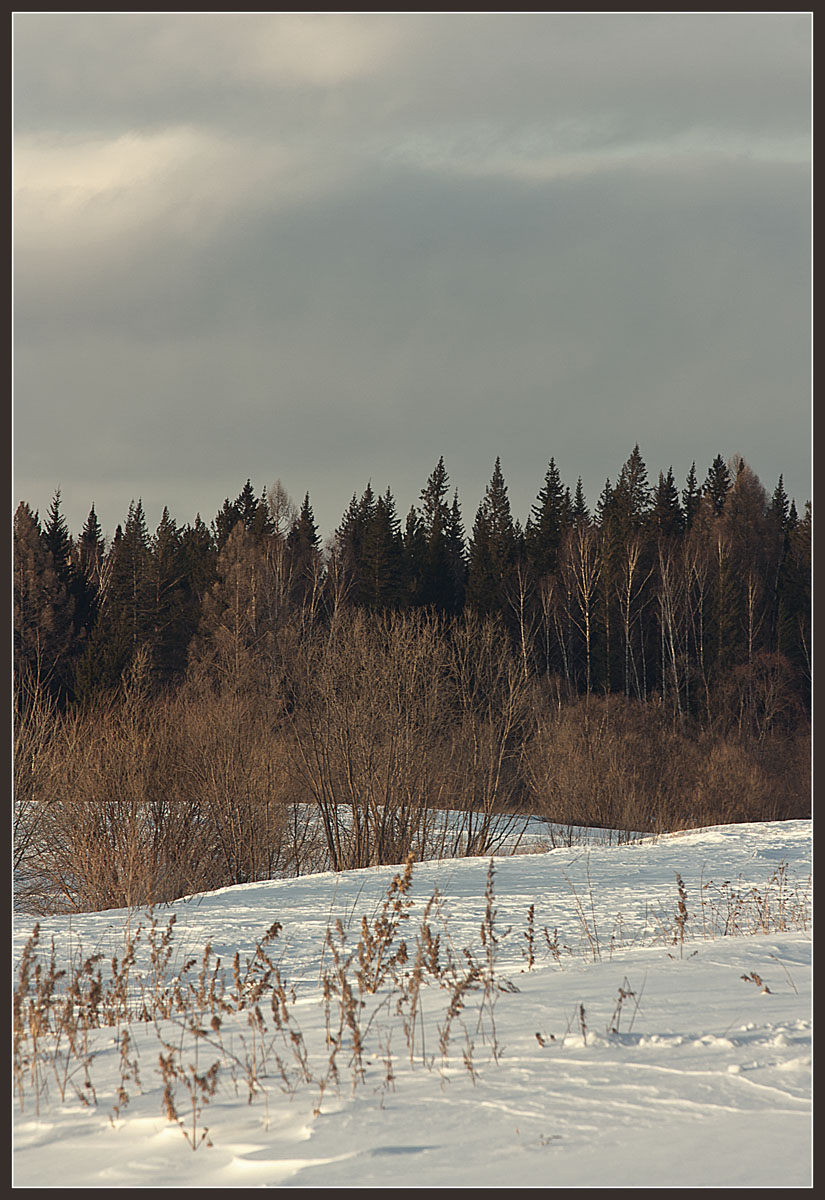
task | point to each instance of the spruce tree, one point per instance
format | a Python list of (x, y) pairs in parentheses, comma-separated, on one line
[(440, 583), (546, 524), (126, 619), (224, 523), (456, 557), (382, 557), (415, 552), (43, 609), (87, 578), (691, 497), (493, 549), (666, 516), (717, 484), (631, 494), (580, 511), (172, 612), (304, 553), (57, 540)]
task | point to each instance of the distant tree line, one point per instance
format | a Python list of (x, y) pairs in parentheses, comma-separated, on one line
[(656, 593), (209, 705)]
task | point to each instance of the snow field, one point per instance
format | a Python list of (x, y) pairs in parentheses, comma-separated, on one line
[(628, 1055)]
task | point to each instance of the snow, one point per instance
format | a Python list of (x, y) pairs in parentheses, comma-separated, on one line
[(699, 1075)]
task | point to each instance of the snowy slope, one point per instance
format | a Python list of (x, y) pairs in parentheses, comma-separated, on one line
[(699, 1075)]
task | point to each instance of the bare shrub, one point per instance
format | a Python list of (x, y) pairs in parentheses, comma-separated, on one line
[(367, 724), (625, 765), (490, 730)]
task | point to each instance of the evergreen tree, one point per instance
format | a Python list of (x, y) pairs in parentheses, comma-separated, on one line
[(414, 542), (605, 506), (717, 485), (246, 506), (350, 543), (43, 610), (304, 553), (546, 524), (200, 556), (631, 495), (666, 516), (126, 619), (440, 580), (224, 523), (382, 557), (691, 497), (580, 511), (780, 507), (57, 540), (456, 557), (493, 549), (172, 612)]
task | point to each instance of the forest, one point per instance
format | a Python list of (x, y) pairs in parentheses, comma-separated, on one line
[(208, 705)]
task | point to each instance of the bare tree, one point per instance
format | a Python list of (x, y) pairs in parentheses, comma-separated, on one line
[(582, 564)]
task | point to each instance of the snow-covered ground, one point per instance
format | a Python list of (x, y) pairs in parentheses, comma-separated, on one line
[(645, 1044)]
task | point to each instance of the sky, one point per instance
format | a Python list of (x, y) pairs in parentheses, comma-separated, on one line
[(330, 248)]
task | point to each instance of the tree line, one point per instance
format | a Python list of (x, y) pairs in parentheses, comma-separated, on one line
[(209, 705), (654, 594)]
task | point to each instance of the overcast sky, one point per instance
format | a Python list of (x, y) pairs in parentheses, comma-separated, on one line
[(329, 248)]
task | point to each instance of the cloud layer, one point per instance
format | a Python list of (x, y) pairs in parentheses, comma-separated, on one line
[(330, 248)]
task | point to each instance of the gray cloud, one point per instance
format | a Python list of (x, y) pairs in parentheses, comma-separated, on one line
[(333, 249)]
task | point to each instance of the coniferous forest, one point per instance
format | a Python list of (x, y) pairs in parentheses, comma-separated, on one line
[(205, 705)]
